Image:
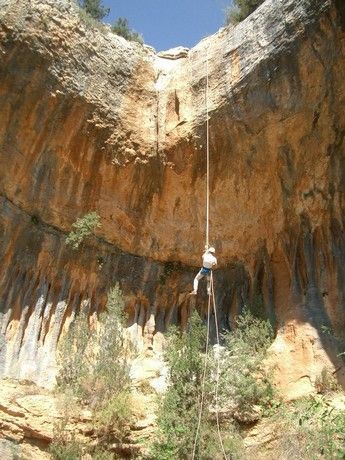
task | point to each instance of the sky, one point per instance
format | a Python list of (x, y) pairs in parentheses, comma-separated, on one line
[(165, 24)]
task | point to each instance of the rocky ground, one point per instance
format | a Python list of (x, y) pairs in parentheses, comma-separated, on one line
[(30, 415)]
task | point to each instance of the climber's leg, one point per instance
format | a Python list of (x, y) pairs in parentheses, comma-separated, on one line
[(196, 282), (209, 284)]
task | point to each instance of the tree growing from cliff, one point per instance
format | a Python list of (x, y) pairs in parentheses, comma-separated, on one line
[(94, 368), (94, 8), (121, 27), (83, 228), (240, 9)]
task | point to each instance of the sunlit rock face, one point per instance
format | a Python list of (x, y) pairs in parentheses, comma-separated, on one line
[(91, 122)]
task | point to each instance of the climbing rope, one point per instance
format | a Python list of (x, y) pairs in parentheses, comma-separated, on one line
[(218, 367), (211, 295), (202, 397), (207, 160)]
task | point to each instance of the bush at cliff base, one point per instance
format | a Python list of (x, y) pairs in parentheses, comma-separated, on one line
[(95, 369), (310, 428), (244, 381), (179, 411)]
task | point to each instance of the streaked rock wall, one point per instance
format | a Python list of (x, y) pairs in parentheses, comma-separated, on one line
[(91, 122)]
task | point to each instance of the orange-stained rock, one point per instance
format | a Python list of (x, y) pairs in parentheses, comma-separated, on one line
[(91, 122), (31, 417)]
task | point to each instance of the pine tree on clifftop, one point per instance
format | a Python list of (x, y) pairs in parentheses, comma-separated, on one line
[(240, 9), (94, 8)]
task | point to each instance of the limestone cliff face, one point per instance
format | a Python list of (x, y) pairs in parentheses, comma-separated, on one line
[(89, 121)]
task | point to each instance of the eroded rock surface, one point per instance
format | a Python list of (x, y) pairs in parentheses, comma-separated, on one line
[(89, 121), (31, 417)]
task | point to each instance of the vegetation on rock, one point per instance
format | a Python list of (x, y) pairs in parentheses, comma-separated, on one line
[(92, 12), (240, 9), (94, 372), (244, 380), (242, 383), (310, 428), (65, 446), (121, 27), (83, 227), (94, 8)]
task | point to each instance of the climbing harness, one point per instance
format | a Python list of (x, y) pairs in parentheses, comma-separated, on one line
[(211, 296)]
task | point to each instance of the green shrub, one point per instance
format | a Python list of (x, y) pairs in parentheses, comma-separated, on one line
[(240, 10), (94, 367), (121, 27), (65, 449), (73, 358), (243, 379), (89, 21), (114, 415), (243, 383), (65, 445), (110, 382), (83, 228), (179, 410), (310, 429), (178, 413), (94, 9)]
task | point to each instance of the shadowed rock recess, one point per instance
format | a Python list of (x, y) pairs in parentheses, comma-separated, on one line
[(91, 122)]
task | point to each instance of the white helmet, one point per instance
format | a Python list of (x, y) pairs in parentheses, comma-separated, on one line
[(211, 249)]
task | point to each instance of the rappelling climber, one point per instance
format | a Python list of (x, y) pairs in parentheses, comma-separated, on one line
[(208, 262)]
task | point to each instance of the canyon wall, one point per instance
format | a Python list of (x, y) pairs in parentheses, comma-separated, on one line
[(91, 122)]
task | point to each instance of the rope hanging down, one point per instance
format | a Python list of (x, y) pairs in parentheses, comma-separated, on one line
[(207, 161), (218, 367), (203, 378), (211, 296)]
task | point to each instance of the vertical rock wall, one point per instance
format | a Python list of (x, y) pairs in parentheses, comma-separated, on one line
[(90, 122)]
